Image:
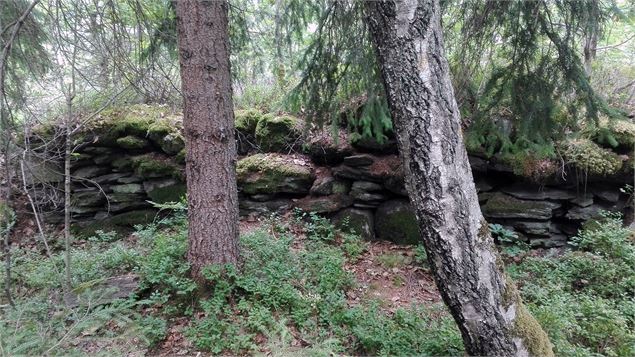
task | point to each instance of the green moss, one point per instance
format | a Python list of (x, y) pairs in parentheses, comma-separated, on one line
[(247, 120), (172, 193), (180, 156), (148, 166), (341, 187), (588, 156), (270, 173), (529, 330), (398, 225), (277, 133), (131, 142)]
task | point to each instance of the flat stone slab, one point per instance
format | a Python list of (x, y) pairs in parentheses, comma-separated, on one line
[(535, 193), (503, 206)]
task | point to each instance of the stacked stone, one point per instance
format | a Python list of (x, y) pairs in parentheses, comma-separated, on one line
[(137, 155)]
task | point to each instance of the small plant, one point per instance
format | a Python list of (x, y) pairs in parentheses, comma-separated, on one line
[(420, 257), (502, 234), (101, 236)]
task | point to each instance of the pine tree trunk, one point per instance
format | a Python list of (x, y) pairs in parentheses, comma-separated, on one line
[(209, 133), (484, 302)]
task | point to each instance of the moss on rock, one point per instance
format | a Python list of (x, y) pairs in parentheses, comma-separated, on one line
[(588, 156), (273, 173), (172, 193), (132, 142), (246, 120), (277, 133), (395, 221), (150, 166)]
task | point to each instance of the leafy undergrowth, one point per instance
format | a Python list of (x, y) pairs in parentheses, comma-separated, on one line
[(585, 298), (294, 295)]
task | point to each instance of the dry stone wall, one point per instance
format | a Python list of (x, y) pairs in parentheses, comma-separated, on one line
[(134, 156)]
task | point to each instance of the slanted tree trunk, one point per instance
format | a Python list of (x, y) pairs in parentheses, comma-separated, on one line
[(209, 133), (484, 302)]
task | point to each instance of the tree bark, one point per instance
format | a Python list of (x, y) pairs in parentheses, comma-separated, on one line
[(469, 273), (209, 133)]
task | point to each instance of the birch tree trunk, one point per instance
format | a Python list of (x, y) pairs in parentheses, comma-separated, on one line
[(468, 272), (209, 132)]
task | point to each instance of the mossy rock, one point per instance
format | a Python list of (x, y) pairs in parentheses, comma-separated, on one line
[(274, 173), (140, 120), (501, 206), (170, 193), (358, 221), (277, 133), (152, 166), (123, 163), (590, 157), (132, 142), (396, 221), (246, 120)]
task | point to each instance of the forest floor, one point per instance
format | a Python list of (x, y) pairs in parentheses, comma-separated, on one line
[(305, 289), (385, 272)]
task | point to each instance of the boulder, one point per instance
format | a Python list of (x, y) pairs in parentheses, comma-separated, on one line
[(171, 143), (501, 206), (275, 173), (324, 204), (326, 149), (359, 221), (395, 221), (246, 121), (277, 133)]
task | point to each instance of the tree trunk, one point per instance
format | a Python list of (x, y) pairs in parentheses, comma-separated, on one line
[(209, 133), (470, 276)]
